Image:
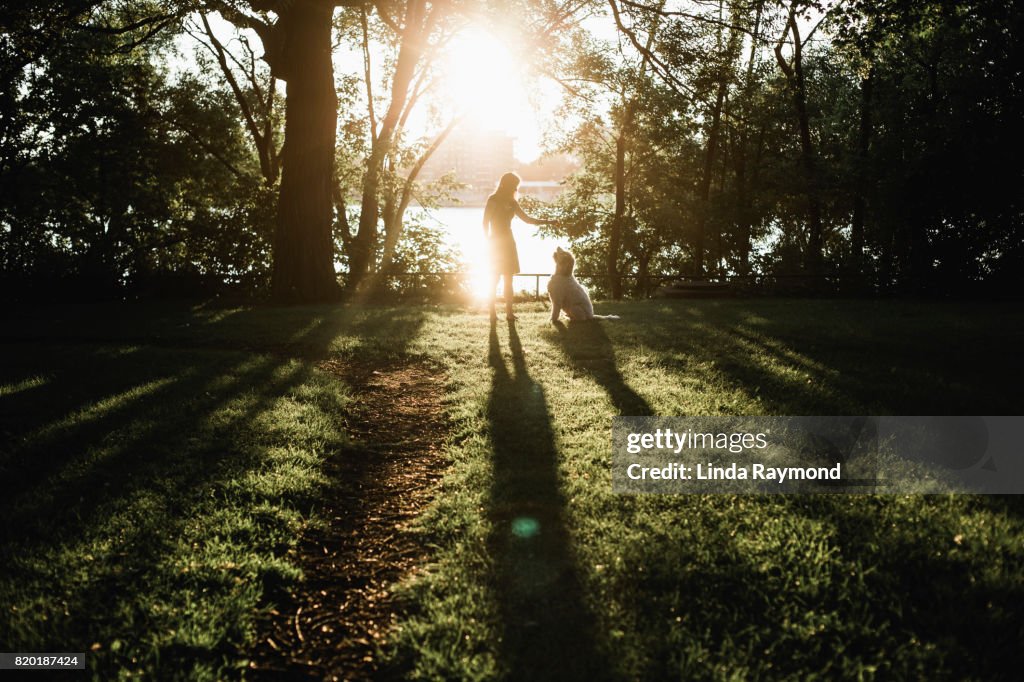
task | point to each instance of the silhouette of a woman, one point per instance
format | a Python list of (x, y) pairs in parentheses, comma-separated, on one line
[(498, 213)]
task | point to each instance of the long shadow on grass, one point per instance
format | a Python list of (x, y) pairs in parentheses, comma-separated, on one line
[(935, 584), (129, 399), (547, 631), (156, 456), (589, 350), (839, 357)]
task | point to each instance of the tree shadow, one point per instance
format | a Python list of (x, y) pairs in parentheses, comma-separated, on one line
[(589, 350), (163, 427), (789, 586), (547, 629), (944, 600), (118, 400)]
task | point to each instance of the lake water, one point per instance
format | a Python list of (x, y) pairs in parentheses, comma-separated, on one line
[(462, 229)]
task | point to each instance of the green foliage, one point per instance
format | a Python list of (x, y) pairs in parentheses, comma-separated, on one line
[(121, 172), (433, 267), (914, 124), (123, 179)]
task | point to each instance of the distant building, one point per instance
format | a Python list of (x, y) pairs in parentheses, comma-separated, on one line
[(476, 157), (545, 190), (550, 168)]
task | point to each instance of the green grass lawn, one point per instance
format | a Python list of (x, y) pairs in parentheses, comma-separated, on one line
[(157, 463)]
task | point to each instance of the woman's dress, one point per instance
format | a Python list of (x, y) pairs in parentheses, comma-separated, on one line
[(504, 255)]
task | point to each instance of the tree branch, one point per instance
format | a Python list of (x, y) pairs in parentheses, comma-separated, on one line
[(779, 57), (406, 196), (219, 52), (367, 77), (662, 69), (206, 146), (128, 28), (125, 49), (388, 20), (661, 11)]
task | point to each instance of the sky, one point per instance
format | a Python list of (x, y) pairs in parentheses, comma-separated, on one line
[(482, 80)]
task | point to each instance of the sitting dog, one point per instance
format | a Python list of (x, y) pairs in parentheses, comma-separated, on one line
[(567, 293)]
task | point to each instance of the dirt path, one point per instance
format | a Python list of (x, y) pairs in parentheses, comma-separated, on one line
[(329, 628)]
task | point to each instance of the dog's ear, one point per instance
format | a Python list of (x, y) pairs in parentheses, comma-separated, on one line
[(558, 249)]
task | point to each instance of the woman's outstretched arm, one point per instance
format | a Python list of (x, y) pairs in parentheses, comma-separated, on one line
[(529, 220)]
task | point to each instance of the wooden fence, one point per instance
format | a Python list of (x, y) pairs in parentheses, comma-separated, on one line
[(646, 285)]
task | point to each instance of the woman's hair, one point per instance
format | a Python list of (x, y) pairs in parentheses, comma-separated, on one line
[(508, 184)]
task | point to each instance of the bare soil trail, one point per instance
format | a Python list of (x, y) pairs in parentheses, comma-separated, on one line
[(331, 626)]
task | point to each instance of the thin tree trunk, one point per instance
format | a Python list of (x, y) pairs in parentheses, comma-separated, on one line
[(795, 78), (643, 272), (860, 197), (365, 243), (262, 136), (621, 143), (711, 153), (303, 247), (704, 189), (918, 260), (395, 215), (615, 234), (742, 190)]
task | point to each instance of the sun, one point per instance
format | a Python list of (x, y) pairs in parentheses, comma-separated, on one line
[(482, 80), (486, 83), (481, 286), (476, 255)]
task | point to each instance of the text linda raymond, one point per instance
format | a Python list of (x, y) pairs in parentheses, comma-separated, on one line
[(708, 472), (674, 441)]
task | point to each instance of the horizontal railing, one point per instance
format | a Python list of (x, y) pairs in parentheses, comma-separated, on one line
[(648, 282)]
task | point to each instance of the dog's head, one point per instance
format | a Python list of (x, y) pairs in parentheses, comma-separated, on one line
[(564, 262)]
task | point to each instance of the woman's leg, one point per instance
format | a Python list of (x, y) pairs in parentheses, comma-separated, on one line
[(492, 297), (508, 295)]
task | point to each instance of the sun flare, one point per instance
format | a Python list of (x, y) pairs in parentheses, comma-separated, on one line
[(476, 255), (490, 86), (482, 80)]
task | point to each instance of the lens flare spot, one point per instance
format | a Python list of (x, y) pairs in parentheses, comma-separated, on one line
[(525, 527)]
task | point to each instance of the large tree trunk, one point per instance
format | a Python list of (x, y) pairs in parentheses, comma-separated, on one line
[(303, 247)]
